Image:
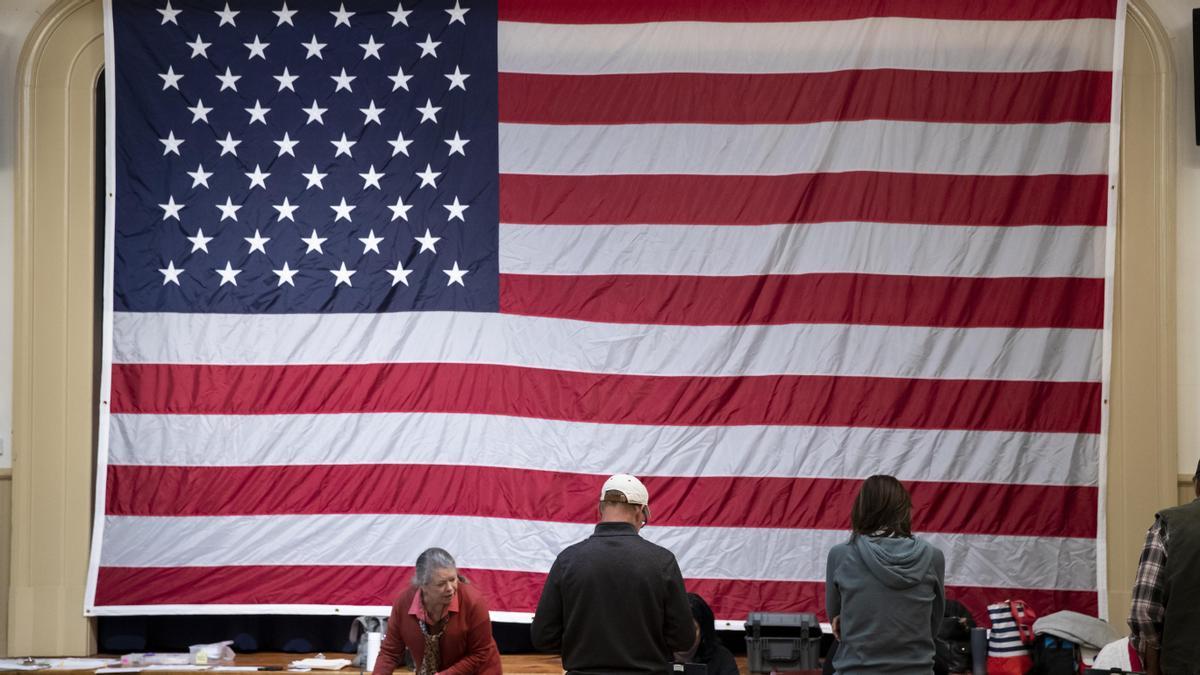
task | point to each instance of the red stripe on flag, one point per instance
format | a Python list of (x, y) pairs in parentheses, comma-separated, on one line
[(640, 11), (1069, 407), (525, 494), (506, 591), (795, 98), (958, 302), (934, 199)]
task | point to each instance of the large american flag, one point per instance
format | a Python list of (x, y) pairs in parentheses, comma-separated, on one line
[(390, 276)]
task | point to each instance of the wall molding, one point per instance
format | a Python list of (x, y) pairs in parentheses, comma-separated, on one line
[(53, 360)]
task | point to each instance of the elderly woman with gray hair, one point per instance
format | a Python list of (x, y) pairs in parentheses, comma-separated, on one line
[(442, 621)]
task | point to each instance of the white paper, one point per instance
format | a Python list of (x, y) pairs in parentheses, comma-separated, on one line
[(17, 664), (76, 663)]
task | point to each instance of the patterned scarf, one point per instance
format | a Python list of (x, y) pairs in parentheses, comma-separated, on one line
[(433, 638)]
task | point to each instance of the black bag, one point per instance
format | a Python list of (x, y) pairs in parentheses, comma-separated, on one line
[(952, 646), (1053, 655)]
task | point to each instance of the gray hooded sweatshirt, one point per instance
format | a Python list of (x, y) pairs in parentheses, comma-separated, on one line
[(890, 594)]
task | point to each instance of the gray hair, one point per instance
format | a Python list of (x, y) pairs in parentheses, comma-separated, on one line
[(432, 559)]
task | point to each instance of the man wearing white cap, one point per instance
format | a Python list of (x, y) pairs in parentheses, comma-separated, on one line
[(614, 602)]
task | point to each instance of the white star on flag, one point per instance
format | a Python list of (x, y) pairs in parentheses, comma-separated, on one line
[(456, 210), (257, 242), (343, 81), (285, 275), (428, 47), (314, 242), (458, 13), (400, 15), (286, 209), (456, 275), (314, 178), (171, 144), (199, 47), (257, 48), (400, 145), (371, 178), (228, 275), (315, 113), (199, 242), (428, 177), (400, 80), (168, 16), (371, 113), (229, 209), (199, 112), (286, 80), (457, 145), (170, 79), (258, 178), (400, 209), (228, 146), (427, 242), (342, 210), (342, 276), (285, 16), (313, 48), (371, 48), (457, 79), (200, 176), (428, 112), (171, 273), (399, 275), (341, 16), (228, 80), (258, 113), (370, 242), (227, 16), (286, 145), (343, 146), (171, 209)]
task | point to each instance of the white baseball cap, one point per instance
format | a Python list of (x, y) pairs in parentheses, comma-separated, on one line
[(633, 489)]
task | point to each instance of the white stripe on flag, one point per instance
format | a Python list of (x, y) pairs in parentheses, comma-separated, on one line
[(552, 445), (893, 42), (811, 248), (498, 339), (826, 147), (510, 544)]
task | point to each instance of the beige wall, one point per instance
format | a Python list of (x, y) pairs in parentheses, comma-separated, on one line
[(1176, 17)]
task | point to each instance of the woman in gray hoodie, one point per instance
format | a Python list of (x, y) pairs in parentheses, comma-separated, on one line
[(884, 589)]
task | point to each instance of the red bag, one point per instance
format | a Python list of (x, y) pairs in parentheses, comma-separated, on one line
[(1011, 637)]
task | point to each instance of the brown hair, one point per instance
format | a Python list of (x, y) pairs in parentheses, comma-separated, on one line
[(883, 506)]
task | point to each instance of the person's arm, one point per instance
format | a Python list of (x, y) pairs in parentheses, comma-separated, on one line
[(939, 592), (1149, 605), (481, 646), (547, 627), (833, 595), (678, 629), (391, 650)]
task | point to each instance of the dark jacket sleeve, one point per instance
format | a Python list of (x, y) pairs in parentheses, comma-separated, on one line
[(481, 654), (677, 625), (391, 651), (939, 590), (547, 627)]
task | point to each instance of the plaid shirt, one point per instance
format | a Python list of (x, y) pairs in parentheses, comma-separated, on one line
[(1150, 590)]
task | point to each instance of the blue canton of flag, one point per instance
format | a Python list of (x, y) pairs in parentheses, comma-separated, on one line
[(306, 157)]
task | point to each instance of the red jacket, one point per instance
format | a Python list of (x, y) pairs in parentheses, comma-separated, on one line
[(467, 645)]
